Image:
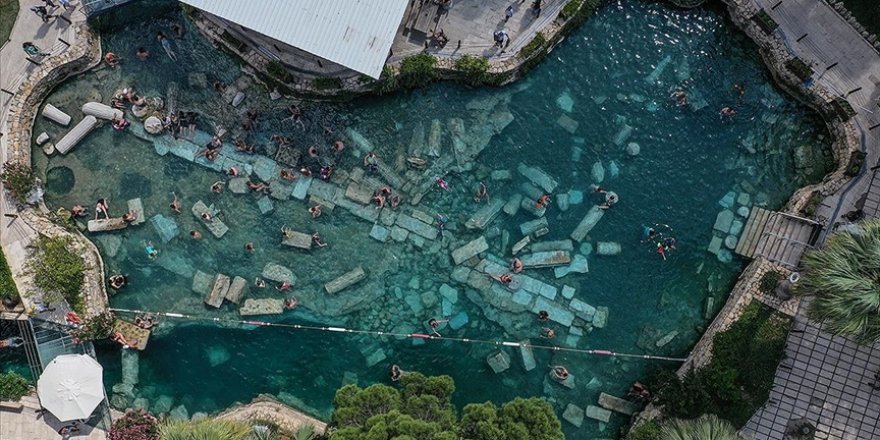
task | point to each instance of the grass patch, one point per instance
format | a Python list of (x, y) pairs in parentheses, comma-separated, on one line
[(327, 83), (570, 9), (738, 379), (765, 21), (8, 12)]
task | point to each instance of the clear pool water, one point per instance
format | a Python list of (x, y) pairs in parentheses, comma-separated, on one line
[(603, 76)]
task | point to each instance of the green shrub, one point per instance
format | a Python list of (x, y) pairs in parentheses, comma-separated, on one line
[(97, 327), (738, 379), (649, 430), (842, 109), (58, 271), (327, 83), (768, 282), (570, 9), (7, 284), (18, 179), (417, 70), (856, 162), (534, 46), (276, 69), (765, 22), (387, 81), (812, 204), (473, 69), (134, 425), (235, 43), (799, 68), (13, 386), (204, 429)]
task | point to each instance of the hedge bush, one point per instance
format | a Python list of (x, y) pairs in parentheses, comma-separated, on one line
[(738, 379), (18, 179), (278, 70), (417, 70), (327, 83), (535, 45), (473, 69), (768, 282), (799, 68), (7, 284), (13, 386), (59, 271), (765, 22)]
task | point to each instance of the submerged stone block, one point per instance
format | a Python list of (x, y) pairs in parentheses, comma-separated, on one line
[(607, 248), (277, 272), (617, 404), (475, 247), (485, 215), (527, 355), (570, 125), (532, 226), (573, 414), (545, 259), (219, 288), (499, 361), (264, 306), (265, 205), (597, 413), (137, 206), (511, 207), (538, 177), (728, 200), (582, 309), (201, 283), (557, 245), (380, 233), (166, 227), (345, 280), (579, 264), (236, 290), (376, 357), (587, 223), (398, 234), (723, 221), (417, 227), (600, 319), (459, 320), (301, 188), (557, 314)]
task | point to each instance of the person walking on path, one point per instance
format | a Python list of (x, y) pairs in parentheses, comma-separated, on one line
[(508, 13), (50, 3), (41, 12), (65, 3)]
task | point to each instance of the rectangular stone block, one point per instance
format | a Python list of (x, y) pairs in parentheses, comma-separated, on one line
[(472, 249), (545, 259), (539, 177), (296, 239), (557, 314), (137, 206), (415, 226), (587, 223), (597, 413), (301, 188), (264, 306), (236, 290), (617, 404), (346, 280), (218, 291), (484, 216), (532, 226)]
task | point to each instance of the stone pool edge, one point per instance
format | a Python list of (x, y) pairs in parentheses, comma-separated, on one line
[(845, 141), (83, 54)]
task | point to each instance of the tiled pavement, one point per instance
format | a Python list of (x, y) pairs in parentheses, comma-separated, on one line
[(825, 382)]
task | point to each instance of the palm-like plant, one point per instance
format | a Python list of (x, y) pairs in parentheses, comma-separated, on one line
[(845, 279), (205, 429), (707, 427)]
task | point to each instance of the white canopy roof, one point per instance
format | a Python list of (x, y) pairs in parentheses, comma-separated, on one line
[(354, 33)]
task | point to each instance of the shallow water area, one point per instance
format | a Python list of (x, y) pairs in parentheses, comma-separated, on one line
[(576, 116)]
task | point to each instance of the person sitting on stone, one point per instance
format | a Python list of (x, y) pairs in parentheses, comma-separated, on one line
[(206, 216), (395, 373), (315, 211), (258, 282), (285, 285), (257, 187), (516, 266), (291, 303), (287, 175), (560, 372), (111, 59), (130, 216), (316, 239), (505, 279), (286, 232), (78, 211), (102, 208), (548, 333)]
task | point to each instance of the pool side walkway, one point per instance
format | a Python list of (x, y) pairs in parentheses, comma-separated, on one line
[(28, 423), (824, 383)]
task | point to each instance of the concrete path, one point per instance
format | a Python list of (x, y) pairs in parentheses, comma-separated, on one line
[(30, 424), (848, 66), (15, 235), (473, 22)]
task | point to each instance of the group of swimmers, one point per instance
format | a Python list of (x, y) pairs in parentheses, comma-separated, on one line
[(726, 113), (665, 242)]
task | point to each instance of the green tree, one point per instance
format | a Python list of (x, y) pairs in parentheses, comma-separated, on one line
[(532, 416), (423, 410), (845, 280), (204, 429), (707, 427)]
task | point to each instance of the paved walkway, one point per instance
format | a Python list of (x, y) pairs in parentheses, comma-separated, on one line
[(474, 22), (824, 382), (28, 424), (846, 65)]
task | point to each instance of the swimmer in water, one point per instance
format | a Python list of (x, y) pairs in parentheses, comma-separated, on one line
[(727, 112), (315, 211), (151, 250), (166, 45), (542, 202), (648, 233), (196, 235), (217, 187), (442, 183), (610, 199), (517, 265), (285, 285), (249, 247), (681, 98), (258, 282), (175, 204), (661, 250), (482, 193), (441, 221)]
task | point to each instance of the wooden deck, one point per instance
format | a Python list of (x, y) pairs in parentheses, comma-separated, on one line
[(778, 237)]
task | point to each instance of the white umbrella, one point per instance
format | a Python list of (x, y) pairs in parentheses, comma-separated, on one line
[(71, 387)]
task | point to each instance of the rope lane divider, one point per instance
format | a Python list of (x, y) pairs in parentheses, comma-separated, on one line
[(593, 352)]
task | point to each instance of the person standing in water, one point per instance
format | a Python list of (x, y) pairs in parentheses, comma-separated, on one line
[(166, 45)]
